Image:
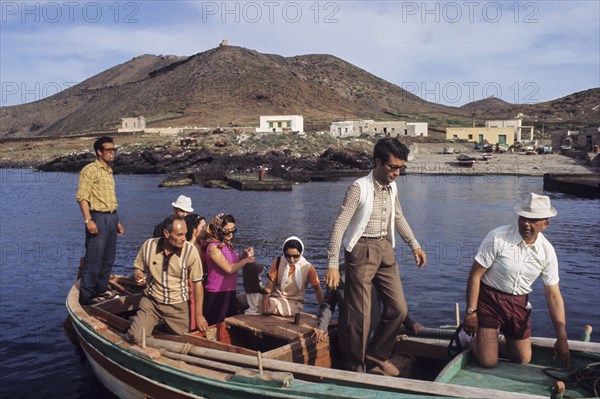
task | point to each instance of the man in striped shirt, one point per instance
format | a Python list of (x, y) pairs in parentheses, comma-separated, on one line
[(170, 262), (98, 203), (365, 227)]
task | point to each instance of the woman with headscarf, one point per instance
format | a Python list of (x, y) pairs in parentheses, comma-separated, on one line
[(223, 264), (288, 278)]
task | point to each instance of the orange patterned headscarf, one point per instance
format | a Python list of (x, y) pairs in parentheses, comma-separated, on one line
[(215, 230)]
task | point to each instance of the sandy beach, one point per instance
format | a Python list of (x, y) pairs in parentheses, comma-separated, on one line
[(430, 159)]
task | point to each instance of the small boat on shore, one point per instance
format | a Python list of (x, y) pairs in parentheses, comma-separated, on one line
[(274, 357), (465, 160)]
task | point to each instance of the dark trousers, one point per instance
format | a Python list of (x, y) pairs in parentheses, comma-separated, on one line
[(219, 305), (335, 298), (100, 252), (371, 263)]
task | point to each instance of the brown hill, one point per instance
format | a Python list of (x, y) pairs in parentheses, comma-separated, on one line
[(487, 106), (583, 106), (578, 109), (233, 86)]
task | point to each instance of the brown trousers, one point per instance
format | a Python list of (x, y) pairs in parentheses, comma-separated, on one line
[(176, 317), (371, 263)]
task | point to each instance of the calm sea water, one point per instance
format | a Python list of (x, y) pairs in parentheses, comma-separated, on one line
[(41, 241)]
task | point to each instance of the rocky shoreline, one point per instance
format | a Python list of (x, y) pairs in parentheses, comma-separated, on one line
[(199, 166)]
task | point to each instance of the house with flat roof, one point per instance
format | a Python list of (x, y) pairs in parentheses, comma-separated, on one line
[(491, 135), (281, 124), (522, 133), (508, 131), (136, 124), (355, 128)]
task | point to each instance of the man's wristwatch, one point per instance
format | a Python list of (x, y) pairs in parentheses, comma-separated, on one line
[(471, 311), (86, 221)]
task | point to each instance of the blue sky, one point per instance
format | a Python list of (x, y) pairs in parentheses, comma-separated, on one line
[(450, 52)]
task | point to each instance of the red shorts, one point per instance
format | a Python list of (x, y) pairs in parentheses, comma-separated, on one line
[(505, 312)]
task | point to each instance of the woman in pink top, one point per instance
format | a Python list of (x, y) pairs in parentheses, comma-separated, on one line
[(222, 265)]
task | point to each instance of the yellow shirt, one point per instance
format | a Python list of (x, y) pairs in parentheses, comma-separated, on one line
[(97, 187)]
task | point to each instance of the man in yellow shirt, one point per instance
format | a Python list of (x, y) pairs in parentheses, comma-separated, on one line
[(98, 202)]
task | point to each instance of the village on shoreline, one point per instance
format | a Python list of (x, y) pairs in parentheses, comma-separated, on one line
[(307, 151)]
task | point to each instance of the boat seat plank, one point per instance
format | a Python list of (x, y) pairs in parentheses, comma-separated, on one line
[(112, 320), (121, 304), (275, 326)]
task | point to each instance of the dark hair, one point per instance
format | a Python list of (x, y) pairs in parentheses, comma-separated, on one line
[(192, 220), (390, 146), (292, 244), (226, 219), (167, 224), (98, 143)]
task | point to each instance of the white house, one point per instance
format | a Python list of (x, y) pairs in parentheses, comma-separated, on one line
[(133, 124), (281, 123), (347, 128), (369, 127), (516, 124), (417, 128)]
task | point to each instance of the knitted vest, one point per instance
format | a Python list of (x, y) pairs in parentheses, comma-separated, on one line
[(359, 220)]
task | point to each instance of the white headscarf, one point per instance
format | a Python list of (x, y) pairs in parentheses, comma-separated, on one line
[(297, 271)]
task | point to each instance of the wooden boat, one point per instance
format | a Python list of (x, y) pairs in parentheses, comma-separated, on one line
[(263, 356), (465, 160), (487, 156)]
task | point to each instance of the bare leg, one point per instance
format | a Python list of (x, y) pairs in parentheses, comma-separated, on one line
[(519, 350), (485, 347)]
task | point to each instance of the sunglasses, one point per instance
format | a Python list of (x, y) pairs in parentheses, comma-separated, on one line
[(232, 231), (396, 168), (110, 149), (289, 256)]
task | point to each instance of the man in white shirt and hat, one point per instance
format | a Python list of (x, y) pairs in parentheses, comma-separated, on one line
[(508, 261), (181, 208)]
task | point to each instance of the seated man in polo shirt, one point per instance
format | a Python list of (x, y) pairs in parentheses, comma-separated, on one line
[(170, 261), (507, 263)]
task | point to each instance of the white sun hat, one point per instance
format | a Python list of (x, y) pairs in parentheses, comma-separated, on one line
[(184, 203), (536, 207)]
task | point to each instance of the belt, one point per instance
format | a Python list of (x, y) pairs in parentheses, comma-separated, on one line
[(115, 211), (374, 238)]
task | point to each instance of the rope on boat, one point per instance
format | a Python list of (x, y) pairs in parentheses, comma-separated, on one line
[(587, 377), (185, 349), (455, 346)]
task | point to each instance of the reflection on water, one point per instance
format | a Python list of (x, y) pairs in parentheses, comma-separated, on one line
[(42, 240)]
